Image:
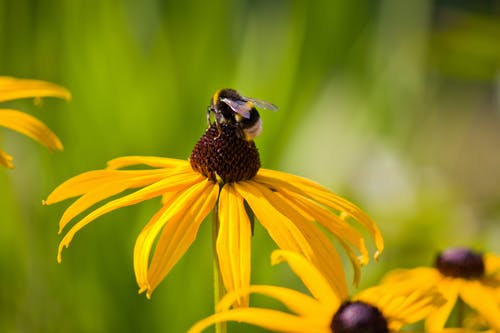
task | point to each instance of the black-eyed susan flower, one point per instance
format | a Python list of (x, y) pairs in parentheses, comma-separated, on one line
[(223, 175), (328, 309), (11, 89), (461, 275)]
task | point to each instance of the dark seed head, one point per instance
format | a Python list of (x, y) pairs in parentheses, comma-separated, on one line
[(460, 263), (222, 153), (358, 317)]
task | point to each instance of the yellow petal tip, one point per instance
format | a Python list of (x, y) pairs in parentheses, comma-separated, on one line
[(363, 261), (146, 289)]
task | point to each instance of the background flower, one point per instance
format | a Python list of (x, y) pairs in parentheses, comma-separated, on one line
[(11, 89), (461, 276), (327, 309)]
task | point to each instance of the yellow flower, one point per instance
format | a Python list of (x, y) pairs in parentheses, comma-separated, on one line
[(11, 89), (377, 309), (459, 274), (223, 174)]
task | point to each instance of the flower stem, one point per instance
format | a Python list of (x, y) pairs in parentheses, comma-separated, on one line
[(220, 327)]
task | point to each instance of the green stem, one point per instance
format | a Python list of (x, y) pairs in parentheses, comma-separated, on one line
[(219, 291)]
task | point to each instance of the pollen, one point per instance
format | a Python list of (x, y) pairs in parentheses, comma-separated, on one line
[(221, 154)]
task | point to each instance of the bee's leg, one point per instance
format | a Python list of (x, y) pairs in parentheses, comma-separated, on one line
[(216, 123), (219, 129), (208, 117)]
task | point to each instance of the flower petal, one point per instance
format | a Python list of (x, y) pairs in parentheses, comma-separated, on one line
[(297, 302), (296, 236), (323, 196), (144, 242), (345, 233), (332, 222), (12, 88), (492, 264), (413, 278), (402, 305), (280, 228), (6, 159), (106, 190), (480, 298), (181, 221), (408, 295), (312, 278), (436, 320), (152, 161), (173, 183), (31, 127), (89, 180), (233, 241), (271, 320), (325, 256)]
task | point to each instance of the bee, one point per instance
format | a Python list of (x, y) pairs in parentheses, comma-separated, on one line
[(228, 106)]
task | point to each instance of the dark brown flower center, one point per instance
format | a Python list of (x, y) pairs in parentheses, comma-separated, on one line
[(222, 153), (461, 263), (358, 317)]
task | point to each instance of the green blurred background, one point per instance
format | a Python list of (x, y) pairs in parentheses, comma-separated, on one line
[(392, 104)]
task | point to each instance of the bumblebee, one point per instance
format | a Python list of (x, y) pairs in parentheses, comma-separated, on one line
[(228, 106)]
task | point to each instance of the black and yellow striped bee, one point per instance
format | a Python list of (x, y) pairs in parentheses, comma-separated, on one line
[(228, 106)]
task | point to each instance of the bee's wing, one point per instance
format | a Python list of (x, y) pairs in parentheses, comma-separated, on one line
[(239, 106), (262, 104)]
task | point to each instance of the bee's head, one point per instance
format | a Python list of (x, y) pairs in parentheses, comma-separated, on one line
[(219, 101)]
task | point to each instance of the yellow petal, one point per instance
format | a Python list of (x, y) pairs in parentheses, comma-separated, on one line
[(152, 161), (332, 222), (464, 330), (412, 278), (492, 264), (324, 256), (180, 221), (12, 88), (436, 320), (31, 127), (322, 195), (481, 298), (279, 227), (311, 277), (296, 236), (173, 183), (400, 304), (406, 295), (301, 304), (83, 183), (411, 308), (346, 234), (271, 320), (6, 159), (107, 189), (143, 244), (167, 198), (233, 241), (89, 180)]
